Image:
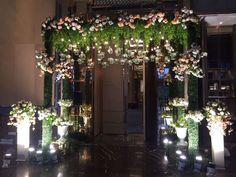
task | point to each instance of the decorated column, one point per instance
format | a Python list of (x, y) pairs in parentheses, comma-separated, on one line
[(22, 115), (47, 116), (193, 119), (219, 123), (188, 65)]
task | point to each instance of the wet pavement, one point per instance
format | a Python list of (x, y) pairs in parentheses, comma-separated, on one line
[(114, 156)]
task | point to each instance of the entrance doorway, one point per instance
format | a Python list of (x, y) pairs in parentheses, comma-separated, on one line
[(135, 88)]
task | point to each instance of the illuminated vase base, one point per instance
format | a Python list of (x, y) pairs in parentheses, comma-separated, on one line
[(62, 132), (181, 134)]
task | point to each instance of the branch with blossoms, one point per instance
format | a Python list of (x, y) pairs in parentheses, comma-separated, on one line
[(189, 63)]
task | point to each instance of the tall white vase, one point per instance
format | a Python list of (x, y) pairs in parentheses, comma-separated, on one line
[(181, 134), (62, 131), (23, 140), (217, 146)]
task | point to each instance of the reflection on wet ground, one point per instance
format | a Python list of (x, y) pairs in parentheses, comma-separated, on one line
[(108, 156)]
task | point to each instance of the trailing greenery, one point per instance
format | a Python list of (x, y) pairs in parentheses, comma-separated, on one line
[(47, 101), (100, 29), (193, 93), (193, 137), (66, 90), (46, 134)]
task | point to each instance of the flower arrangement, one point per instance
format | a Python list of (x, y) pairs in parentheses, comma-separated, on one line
[(85, 111), (218, 117), (64, 70), (22, 111), (47, 114), (168, 112), (60, 121), (196, 116), (189, 63), (178, 102), (65, 103), (179, 123)]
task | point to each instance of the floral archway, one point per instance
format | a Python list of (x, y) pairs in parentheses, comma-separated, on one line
[(163, 38)]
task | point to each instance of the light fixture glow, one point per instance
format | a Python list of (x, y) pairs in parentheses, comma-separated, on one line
[(8, 155), (179, 152), (165, 158), (198, 158), (52, 151), (39, 151), (183, 157), (165, 141), (170, 142), (31, 149)]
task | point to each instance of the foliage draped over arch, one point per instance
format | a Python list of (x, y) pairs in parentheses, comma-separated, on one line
[(128, 39)]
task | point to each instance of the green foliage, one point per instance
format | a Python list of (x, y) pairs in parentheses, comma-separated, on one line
[(66, 90), (193, 137), (46, 134), (47, 101), (175, 33), (193, 92)]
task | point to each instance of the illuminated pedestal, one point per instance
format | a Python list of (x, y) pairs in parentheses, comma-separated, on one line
[(23, 138), (181, 134), (217, 146)]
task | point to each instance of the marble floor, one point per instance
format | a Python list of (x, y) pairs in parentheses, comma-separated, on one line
[(111, 156)]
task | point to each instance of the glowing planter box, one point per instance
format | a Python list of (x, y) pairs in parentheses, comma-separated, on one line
[(23, 140), (217, 146)]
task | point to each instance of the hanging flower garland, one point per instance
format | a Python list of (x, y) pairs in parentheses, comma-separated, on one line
[(218, 117), (75, 37), (44, 62), (189, 63), (101, 28), (22, 111)]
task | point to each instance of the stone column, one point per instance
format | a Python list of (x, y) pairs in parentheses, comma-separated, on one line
[(150, 101)]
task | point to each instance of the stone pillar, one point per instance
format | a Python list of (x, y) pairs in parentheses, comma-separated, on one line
[(150, 103), (234, 57), (203, 131)]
